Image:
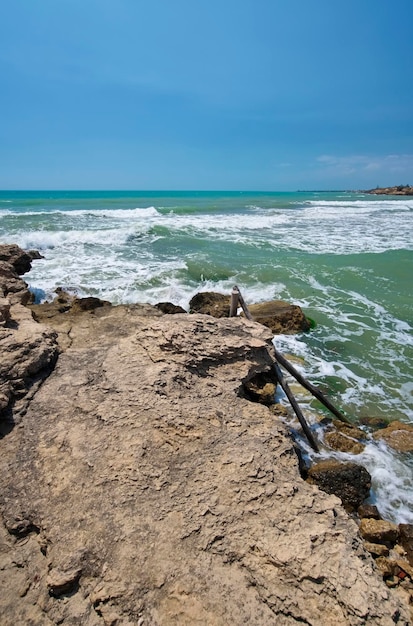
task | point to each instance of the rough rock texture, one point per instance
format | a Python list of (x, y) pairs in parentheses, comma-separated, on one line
[(141, 488), (18, 258), (348, 480), (210, 303), (400, 190), (378, 531), (397, 435), (280, 317), (27, 351)]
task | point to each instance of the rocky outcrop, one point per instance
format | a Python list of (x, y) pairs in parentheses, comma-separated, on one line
[(399, 190), (143, 488), (27, 350)]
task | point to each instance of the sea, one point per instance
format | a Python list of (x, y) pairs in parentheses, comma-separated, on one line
[(345, 257)]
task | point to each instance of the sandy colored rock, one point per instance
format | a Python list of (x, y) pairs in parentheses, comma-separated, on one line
[(141, 453), (376, 549), (27, 352), (397, 435), (339, 441), (281, 317), (378, 531)]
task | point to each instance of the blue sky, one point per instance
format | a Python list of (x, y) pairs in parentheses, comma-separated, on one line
[(186, 94)]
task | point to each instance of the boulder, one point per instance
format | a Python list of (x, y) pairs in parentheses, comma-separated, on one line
[(339, 441), (169, 309), (15, 256), (210, 303), (378, 531), (349, 481), (281, 317), (397, 435)]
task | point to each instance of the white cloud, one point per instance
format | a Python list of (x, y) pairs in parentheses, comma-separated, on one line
[(345, 165)]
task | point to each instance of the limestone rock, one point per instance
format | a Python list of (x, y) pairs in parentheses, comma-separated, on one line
[(210, 303), (378, 531), (16, 257), (339, 441), (27, 351), (349, 481), (63, 581), (169, 309), (281, 317), (142, 449), (377, 549), (4, 311), (397, 435)]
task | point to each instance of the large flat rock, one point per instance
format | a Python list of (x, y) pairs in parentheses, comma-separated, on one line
[(141, 487)]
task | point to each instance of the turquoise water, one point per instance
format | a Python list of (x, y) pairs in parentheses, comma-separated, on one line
[(346, 258)]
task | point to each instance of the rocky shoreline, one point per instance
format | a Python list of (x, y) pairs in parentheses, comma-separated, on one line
[(146, 477), (398, 190)]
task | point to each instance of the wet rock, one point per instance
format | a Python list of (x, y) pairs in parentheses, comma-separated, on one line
[(169, 309), (210, 303), (378, 531), (406, 540), (281, 317), (349, 430), (375, 422), (368, 510), (35, 255), (349, 481), (339, 441), (16, 257), (397, 435)]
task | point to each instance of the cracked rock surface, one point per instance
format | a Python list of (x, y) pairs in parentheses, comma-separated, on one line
[(141, 488)]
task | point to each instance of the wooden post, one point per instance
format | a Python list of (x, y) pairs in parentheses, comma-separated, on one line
[(234, 301), (285, 387), (309, 386), (241, 300)]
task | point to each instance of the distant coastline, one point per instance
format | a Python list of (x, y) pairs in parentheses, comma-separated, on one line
[(400, 190)]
